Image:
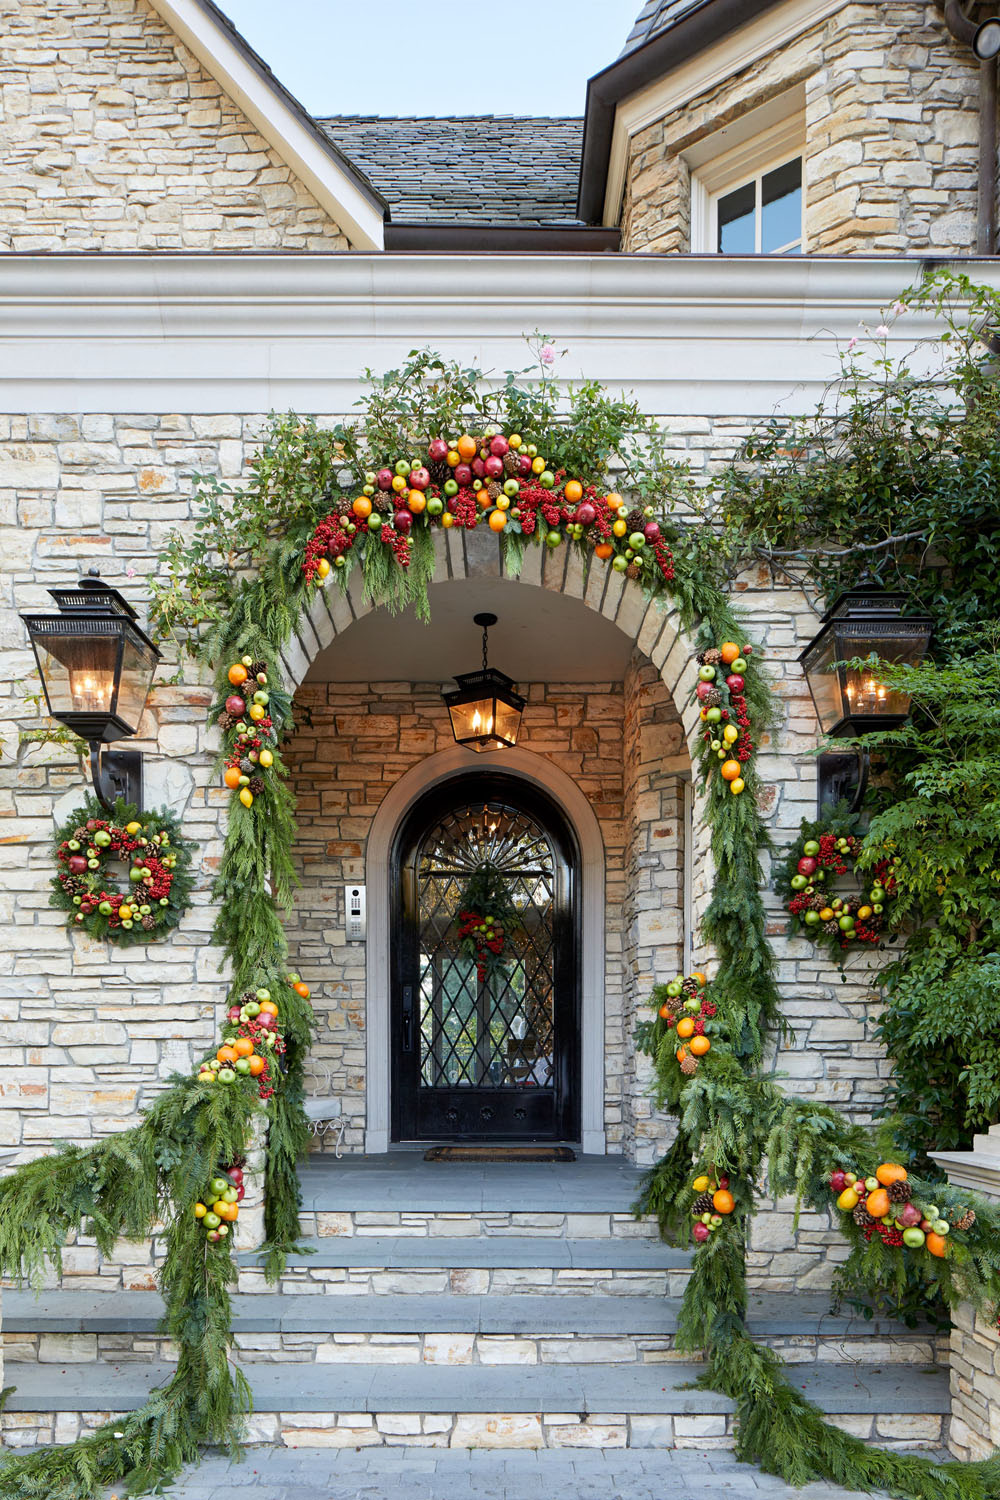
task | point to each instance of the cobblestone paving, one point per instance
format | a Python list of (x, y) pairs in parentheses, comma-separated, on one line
[(398, 1474)]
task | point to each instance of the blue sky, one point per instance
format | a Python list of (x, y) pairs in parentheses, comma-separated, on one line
[(438, 57)]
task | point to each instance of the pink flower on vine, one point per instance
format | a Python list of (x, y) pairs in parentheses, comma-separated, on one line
[(882, 331), (547, 354), (129, 572), (899, 308), (852, 344)]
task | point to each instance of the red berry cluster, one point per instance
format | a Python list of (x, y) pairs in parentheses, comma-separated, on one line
[(487, 944), (328, 540)]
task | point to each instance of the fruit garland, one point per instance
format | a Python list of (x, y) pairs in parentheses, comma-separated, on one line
[(684, 1006), (884, 1205), (823, 852), (221, 1206), (244, 716), (158, 857), (720, 691), (486, 918), (496, 480), (712, 1204)]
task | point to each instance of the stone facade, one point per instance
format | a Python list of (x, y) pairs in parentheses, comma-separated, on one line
[(113, 137), (890, 136)]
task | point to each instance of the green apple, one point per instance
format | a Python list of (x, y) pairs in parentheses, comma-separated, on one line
[(105, 908), (636, 541), (435, 506), (546, 479), (102, 838), (811, 918), (211, 1220), (913, 1237), (811, 848), (798, 882), (226, 1075), (242, 1065)]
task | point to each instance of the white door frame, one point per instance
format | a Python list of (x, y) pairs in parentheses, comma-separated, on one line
[(580, 815)]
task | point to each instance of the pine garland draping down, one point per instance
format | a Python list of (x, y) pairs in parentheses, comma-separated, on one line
[(730, 1116)]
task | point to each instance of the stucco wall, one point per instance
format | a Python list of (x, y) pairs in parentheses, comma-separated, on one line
[(890, 126), (113, 137)]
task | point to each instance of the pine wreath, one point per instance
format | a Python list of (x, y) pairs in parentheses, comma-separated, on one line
[(824, 853), (156, 891)]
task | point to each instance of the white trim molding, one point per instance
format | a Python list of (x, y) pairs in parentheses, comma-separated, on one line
[(742, 47), (699, 335), (580, 815), (335, 189)]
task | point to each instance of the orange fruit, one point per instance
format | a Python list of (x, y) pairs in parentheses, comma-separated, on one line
[(200, 1210), (228, 1211), (447, 520), (937, 1245), (257, 1066), (483, 496), (699, 978), (700, 1045), (877, 1203), (268, 1008), (498, 520), (453, 458), (723, 1201), (664, 1012), (730, 651), (226, 1054), (730, 770), (416, 500), (300, 989), (467, 447), (573, 491), (890, 1172), (237, 674), (232, 777), (362, 507), (685, 1026), (681, 1054), (604, 550), (614, 501), (243, 1046)]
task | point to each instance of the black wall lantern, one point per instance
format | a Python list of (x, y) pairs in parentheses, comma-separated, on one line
[(486, 707), (96, 666), (850, 701)]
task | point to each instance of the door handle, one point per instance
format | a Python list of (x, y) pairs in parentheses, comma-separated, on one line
[(407, 1017)]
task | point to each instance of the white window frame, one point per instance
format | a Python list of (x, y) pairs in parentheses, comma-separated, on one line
[(713, 176)]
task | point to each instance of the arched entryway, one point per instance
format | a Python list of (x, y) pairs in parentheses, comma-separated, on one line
[(484, 996)]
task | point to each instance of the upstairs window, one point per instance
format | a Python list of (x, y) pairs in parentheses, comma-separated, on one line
[(763, 216), (747, 191)]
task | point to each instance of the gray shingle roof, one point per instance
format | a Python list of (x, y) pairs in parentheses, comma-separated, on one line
[(475, 169), (657, 16)]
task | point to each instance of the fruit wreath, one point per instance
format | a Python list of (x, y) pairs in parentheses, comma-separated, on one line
[(824, 852), (494, 479), (157, 856)]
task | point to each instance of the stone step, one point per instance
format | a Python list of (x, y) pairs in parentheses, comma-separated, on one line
[(496, 1407), (505, 1264), (443, 1329)]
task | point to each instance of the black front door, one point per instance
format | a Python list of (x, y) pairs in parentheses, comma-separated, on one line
[(484, 1014)]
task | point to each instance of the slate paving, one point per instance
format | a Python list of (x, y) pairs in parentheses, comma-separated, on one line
[(397, 1474)]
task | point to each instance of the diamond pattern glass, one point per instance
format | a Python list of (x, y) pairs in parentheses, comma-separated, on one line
[(494, 1031)]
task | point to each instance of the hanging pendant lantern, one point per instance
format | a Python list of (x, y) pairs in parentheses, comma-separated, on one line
[(486, 707)]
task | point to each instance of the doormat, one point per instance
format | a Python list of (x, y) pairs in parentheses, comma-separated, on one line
[(500, 1153)]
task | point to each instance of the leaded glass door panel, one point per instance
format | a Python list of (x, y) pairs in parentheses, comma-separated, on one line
[(484, 1015)]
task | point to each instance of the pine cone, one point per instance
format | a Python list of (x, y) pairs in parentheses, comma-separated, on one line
[(673, 1003), (381, 503), (832, 929), (257, 785), (439, 472), (712, 698), (224, 720), (702, 1204), (635, 520), (510, 464), (712, 657), (862, 1217), (247, 767), (247, 996), (149, 922), (900, 1192), (689, 1064), (258, 666), (967, 1219), (690, 987), (633, 571), (494, 490)]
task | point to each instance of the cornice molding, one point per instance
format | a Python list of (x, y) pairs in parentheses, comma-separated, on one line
[(188, 333)]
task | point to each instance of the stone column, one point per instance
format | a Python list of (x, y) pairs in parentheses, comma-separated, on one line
[(975, 1342)]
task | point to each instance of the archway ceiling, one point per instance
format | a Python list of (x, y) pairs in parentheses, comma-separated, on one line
[(541, 637)]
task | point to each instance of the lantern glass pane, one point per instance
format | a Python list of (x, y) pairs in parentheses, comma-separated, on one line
[(508, 720), (78, 671), (468, 719), (138, 665), (893, 641), (825, 684)]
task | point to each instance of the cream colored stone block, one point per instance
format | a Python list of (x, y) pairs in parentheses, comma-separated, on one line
[(449, 1348), (506, 1431), (507, 1351)]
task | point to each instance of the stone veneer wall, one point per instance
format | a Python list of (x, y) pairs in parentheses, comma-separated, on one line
[(358, 739), (891, 129), (113, 137), (91, 1033)]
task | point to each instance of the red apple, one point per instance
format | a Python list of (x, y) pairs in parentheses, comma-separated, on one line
[(77, 864), (403, 521), (523, 465), (651, 531), (700, 1231), (437, 450), (838, 1181), (479, 468)]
